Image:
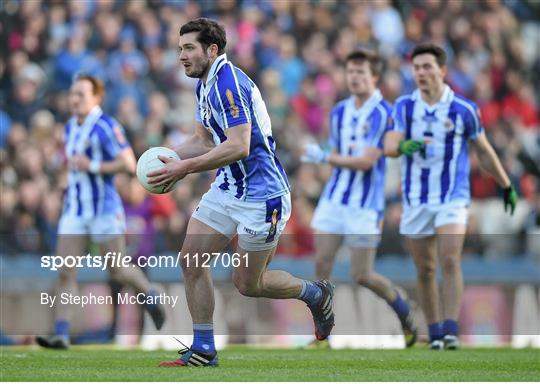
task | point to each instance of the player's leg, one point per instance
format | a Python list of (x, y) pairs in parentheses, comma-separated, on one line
[(255, 280), (260, 225), (68, 245), (418, 227), (329, 226), (450, 245), (131, 275), (362, 260), (326, 246), (209, 231), (200, 238), (364, 234), (424, 253)]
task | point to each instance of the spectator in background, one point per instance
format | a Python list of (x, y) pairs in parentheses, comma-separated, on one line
[(387, 26), (289, 66), (5, 125), (75, 58)]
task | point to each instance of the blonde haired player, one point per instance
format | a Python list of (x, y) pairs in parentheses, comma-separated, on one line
[(96, 149)]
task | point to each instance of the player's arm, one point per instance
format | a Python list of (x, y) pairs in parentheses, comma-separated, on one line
[(114, 143), (362, 163), (313, 153), (490, 163), (198, 144), (235, 148), (391, 143), (395, 145), (123, 162)]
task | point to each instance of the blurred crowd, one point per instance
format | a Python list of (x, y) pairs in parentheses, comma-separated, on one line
[(294, 51)]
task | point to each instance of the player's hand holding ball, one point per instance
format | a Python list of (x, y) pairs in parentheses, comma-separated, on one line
[(159, 169), (313, 153)]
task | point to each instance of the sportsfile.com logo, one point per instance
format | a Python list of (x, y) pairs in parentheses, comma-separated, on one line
[(118, 260)]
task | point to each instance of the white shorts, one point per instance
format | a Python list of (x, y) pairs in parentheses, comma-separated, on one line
[(258, 224), (422, 220), (360, 227), (100, 228)]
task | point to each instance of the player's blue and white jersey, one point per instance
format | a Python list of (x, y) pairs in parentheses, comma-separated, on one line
[(351, 131), (100, 138), (440, 172), (229, 99)]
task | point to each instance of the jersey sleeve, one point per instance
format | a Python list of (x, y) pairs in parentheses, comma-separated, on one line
[(397, 118), (473, 124), (333, 138), (381, 123), (232, 100), (112, 138)]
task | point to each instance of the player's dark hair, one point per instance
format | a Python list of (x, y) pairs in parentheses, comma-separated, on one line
[(362, 55), (432, 49), (98, 87), (210, 32)]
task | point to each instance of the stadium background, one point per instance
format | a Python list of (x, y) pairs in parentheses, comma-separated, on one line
[(294, 51)]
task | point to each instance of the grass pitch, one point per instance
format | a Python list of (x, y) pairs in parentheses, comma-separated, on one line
[(251, 364)]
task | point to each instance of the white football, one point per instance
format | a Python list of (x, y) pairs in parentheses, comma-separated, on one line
[(149, 162)]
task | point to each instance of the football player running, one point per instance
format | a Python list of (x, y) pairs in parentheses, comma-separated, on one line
[(96, 149), (249, 198), (350, 209)]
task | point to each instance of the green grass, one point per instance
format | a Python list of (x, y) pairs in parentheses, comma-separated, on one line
[(247, 364)]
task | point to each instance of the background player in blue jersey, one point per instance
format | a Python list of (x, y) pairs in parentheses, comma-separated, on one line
[(96, 149), (350, 209), (432, 130), (249, 198)]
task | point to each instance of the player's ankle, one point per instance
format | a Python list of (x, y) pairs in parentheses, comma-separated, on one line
[(311, 293), (435, 331), (400, 306), (450, 327), (203, 338)]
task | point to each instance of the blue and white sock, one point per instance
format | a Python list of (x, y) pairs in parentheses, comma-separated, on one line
[(61, 328), (450, 327), (400, 306), (203, 338), (311, 293), (435, 331)]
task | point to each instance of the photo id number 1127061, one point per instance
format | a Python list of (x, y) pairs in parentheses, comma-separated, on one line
[(214, 259)]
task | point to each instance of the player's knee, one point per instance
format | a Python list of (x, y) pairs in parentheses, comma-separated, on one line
[(247, 288), (323, 270), (450, 265), (67, 275), (115, 274), (363, 279), (426, 272)]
